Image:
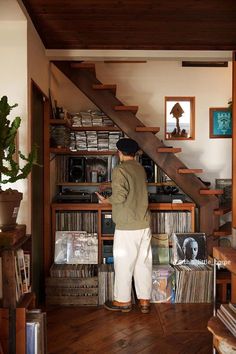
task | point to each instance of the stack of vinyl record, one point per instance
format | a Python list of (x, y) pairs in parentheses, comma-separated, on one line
[(59, 136)]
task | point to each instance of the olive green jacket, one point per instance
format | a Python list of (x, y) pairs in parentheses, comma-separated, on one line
[(129, 197)]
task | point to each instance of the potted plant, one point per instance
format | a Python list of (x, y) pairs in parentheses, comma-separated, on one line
[(11, 168)]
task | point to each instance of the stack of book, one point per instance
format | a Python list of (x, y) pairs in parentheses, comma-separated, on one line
[(227, 315)]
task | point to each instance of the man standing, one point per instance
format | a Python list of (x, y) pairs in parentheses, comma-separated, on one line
[(132, 238)]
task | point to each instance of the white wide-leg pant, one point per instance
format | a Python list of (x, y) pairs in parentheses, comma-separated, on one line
[(132, 257)]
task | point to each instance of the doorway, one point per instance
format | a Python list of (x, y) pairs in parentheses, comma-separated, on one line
[(38, 100)]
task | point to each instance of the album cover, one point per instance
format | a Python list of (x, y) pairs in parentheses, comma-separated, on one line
[(189, 248)]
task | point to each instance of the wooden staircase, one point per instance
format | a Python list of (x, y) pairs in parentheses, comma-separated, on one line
[(83, 75)]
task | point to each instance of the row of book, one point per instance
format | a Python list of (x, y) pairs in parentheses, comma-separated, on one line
[(73, 270), (22, 273), (106, 283)]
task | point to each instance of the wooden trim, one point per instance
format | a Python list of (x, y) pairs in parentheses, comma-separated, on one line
[(66, 151), (222, 210), (47, 245)]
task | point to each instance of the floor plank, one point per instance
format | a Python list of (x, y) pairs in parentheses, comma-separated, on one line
[(168, 329)]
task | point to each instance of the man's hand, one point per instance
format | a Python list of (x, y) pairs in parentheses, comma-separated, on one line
[(102, 199)]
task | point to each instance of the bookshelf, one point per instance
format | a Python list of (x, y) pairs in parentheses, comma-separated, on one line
[(13, 312), (222, 338)]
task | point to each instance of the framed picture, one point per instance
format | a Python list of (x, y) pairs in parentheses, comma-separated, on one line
[(220, 123), (179, 118)]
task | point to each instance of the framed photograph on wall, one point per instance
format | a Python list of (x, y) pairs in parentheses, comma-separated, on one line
[(220, 123)]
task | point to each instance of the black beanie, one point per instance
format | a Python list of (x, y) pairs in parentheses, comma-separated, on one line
[(128, 146)]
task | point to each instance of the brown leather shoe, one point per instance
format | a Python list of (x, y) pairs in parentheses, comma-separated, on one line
[(144, 305), (118, 306)]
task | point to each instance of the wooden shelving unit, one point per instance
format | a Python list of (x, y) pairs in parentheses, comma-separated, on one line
[(99, 208), (13, 313)]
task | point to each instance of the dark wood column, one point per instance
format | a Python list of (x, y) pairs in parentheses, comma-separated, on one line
[(234, 146)]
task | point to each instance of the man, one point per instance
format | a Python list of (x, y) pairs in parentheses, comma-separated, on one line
[(132, 238)]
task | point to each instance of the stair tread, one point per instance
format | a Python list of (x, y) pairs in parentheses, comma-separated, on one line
[(169, 149), (223, 209), (224, 230), (147, 129), (84, 66), (189, 170), (111, 87), (211, 191), (126, 108)]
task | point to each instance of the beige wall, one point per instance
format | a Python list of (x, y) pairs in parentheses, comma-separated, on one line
[(13, 83), (146, 85), (22, 59)]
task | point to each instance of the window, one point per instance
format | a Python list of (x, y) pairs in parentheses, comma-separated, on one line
[(179, 118)]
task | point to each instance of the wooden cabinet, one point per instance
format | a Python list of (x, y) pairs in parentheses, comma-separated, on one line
[(100, 208), (13, 312)]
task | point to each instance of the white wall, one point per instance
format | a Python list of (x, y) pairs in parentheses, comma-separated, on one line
[(146, 85), (13, 83), (22, 59)]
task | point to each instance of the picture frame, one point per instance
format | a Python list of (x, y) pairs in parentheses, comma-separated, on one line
[(179, 118), (220, 122)]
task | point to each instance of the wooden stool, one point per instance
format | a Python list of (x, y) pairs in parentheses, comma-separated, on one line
[(222, 280)]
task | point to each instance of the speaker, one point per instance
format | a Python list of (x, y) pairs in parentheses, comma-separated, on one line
[(148, 165), (76, 172), (108, 226)]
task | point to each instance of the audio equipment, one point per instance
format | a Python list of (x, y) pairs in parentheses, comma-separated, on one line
[(108, 226), (76, 171), (148, 165)]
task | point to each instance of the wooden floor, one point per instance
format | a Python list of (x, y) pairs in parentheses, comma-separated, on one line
[(168, 329)]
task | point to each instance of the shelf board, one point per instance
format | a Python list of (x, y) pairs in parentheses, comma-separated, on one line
[(67, 151), (108, 184), (107, 128), (99, 206)]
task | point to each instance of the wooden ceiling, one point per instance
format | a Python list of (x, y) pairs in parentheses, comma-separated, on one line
[(135, 24)]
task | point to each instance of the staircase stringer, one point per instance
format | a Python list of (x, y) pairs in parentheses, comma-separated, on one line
[(148, 142)]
